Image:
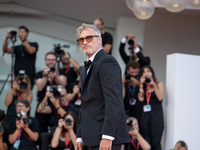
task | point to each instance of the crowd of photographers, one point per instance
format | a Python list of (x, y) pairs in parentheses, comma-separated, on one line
[(59, 98)]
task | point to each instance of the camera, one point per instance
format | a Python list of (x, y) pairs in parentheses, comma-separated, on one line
[(20, 114), (55, 90), (26, 120), (147, 79), (68, 122), (59, 52), (130, 42), (52, 69), (13, 33), (22, 84), (1, 127), (129, 123), (128, 78)]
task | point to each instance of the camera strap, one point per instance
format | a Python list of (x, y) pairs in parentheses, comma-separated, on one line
[(134, 144), (148, 94)]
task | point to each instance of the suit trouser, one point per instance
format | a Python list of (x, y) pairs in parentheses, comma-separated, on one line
[(114, 147)]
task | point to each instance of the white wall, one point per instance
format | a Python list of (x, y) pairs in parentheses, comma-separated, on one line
[(183, 103)]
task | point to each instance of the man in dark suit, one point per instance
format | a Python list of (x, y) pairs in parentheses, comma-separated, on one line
[(102, 122)]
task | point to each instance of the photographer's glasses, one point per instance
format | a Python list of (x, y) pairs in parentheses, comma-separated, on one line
[(88, 38)]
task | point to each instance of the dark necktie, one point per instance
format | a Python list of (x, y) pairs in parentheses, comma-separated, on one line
[(87, 64)]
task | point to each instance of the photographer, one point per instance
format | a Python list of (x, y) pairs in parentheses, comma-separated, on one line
[(25, 54), (58, 109), (49, 76), (130, 81), (3, 141), (21, 89), (64, 136), (74, 93), (137, 141), (151, 92), (24, 134), (135, 50), (68, 70)]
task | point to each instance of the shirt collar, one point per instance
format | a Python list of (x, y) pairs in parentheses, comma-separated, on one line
[(92, 57)]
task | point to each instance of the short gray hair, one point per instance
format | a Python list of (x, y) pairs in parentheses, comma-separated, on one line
[(85, 26)]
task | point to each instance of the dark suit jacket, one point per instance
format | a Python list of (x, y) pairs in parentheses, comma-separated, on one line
[(102, 110)]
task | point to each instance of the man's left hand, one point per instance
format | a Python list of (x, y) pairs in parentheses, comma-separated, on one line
[(105, 144)]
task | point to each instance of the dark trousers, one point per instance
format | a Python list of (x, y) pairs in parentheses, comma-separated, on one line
[(114, 147)]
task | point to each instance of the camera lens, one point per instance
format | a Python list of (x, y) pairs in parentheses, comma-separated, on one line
[(68, 122), (22, 85), (52, 69), (131, 42), (147, 79)]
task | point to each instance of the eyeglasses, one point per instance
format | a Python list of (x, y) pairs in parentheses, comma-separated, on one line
[(88, 38), (50, 59)]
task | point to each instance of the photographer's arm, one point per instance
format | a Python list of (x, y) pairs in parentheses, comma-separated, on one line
[(107, 48), (30, 97), (56, 104), (74, 63), (28, 47), (141, 89), (56, 137), (71, 96), (5, 49), (43, 108), (1, 141), (159, 90), (13, 137), (41, 83), (33, 135), (9, 97), (143, 143), (72, 136)]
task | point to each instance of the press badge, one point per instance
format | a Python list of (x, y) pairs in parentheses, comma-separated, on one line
[(132, 101), (147, 108), (16, 145)]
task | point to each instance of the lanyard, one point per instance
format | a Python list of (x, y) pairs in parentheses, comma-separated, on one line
[(66, 142), (148, 94), (132, 91), (133, 143), (20, 133), (18, 95), (67, 69), (51, 81)]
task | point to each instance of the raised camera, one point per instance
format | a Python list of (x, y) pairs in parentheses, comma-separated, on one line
[(13, 33), (27, 120), (55, 90), (130, 42), (147, 79), (129, 123), (128, 78), (22, 84), (20, 114), (68, 122), (52, 69)]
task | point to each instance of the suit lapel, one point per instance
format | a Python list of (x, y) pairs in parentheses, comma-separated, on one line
[(84, 83)]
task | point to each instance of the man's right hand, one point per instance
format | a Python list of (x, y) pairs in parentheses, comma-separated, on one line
[(78, 146)]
